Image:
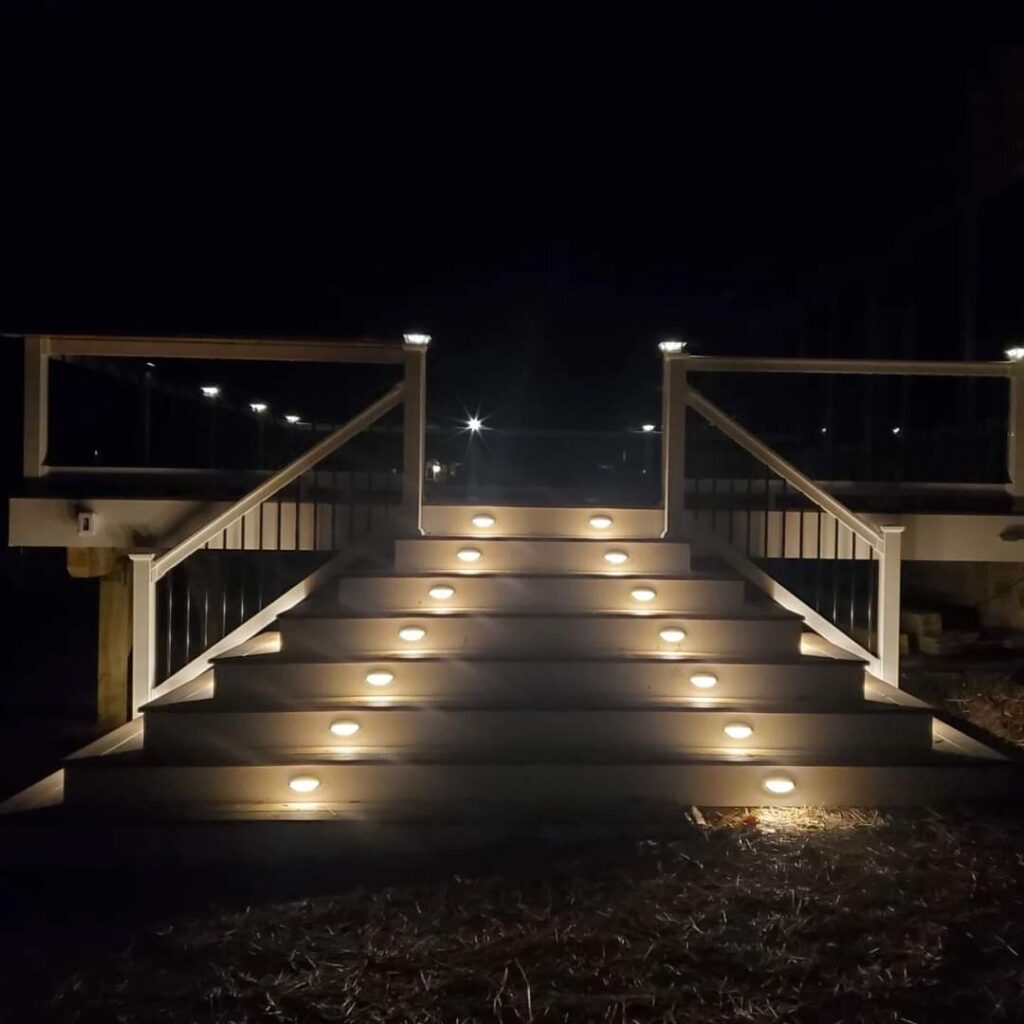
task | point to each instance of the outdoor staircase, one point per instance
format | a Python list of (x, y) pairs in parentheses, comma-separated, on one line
[(523, 664)]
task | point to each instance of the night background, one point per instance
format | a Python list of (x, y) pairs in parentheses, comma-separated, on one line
[(547, 198)]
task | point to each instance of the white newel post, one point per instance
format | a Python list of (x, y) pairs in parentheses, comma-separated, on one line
[(414, 429), (37, 397), (673, 437), (889, 604), (143, 629), (1015, 433)]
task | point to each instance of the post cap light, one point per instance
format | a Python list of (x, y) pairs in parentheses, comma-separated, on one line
[(380, 677), (344, 727), (258, 407), (671, 346), (291, 417), (304, 783), (673, 635), (416, 340), (210, 390), (442, 592), (600, 522), (780, 785), (483, 520), (410, 634), (648, 428), (469, 554), (703, 680), (738, 731), (1015, 354)]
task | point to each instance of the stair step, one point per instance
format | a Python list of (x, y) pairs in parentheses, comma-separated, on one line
[(444, 592), (531, 521), (541, 555), (283, 679), (427, 789), (205, 729), (608, 634)]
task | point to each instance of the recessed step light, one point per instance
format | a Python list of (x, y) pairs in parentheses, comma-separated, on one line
[(738, 731), (483, 520), (344, 727), (304, 783), (643, 593), (674, 635), (442, 592), (703, 680), (780, 785), (380, 677), (412, 633), (468, 554), (600, 522), (616, 557)]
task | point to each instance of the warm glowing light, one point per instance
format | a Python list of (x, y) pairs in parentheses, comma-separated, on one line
[(380, 677), (643, 593), (1015, 354), (442, 592), (304, 783), (738, 731), (648, 428), (600, 522), (291, 417), (412, 633), (258, 407), (210, 390), (421, 340), (671, 346), (344, 728), (672, 636), (469, 554), (703, 680), (484, 520), (779, 784), (616, 557)]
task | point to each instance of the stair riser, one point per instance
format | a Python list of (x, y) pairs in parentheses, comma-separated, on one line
[(567, 635), (511, 521), (560, 594), (538, 734), (542, 556), (826, 684), (480, 791)]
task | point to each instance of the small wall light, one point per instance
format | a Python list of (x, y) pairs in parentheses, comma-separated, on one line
[(600, 522), (703, 680), (673, 635), (379, 677), (616, 557), (780, 785), (469, 554), (344, 727), (441, 592), (483, 520), (412, 633), (304, 783), (738, 731), (643, 593)]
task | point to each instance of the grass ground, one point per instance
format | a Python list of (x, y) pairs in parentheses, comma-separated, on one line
[(756, 916)]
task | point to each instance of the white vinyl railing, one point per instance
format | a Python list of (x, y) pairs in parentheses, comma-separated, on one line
[(268, 518)]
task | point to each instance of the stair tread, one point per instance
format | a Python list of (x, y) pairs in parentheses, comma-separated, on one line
[(513, 574), (752, 614), (583, 758), (293, 658), (241, 703)]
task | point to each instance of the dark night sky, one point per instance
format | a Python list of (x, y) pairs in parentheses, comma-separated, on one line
[(548, 203)]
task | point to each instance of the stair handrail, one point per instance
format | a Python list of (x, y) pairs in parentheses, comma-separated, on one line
[(148, 569), (774, 461), (281, 479)]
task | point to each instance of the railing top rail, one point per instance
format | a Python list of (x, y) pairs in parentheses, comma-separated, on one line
[(786, 470), (319, 350), (271, 486), (876, 367)]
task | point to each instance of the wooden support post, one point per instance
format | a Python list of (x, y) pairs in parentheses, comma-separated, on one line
[(889, 604), (673, 442), (37, 396), (1015, 435), (414, 435), (143, 629)]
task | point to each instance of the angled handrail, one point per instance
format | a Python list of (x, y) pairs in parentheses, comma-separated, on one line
[(167, 561), (784, 469)]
